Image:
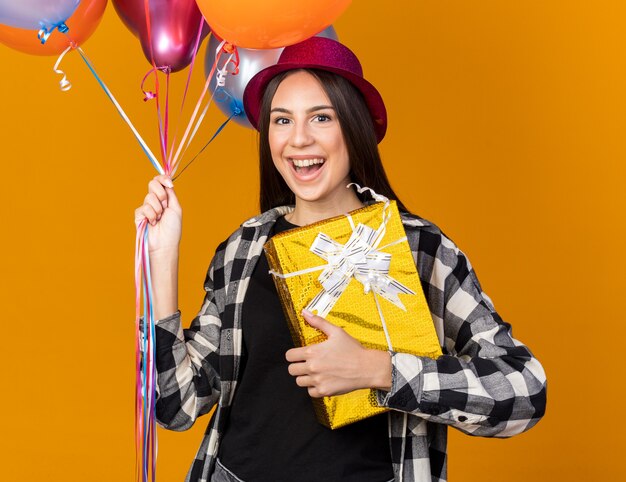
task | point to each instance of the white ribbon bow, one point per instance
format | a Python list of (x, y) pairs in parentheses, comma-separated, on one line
[(360, 258)]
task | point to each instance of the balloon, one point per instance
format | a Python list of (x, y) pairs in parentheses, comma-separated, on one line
[(173, 29), (229, 98), (36, 14), (267, 24), (81, 25), (329, 32)]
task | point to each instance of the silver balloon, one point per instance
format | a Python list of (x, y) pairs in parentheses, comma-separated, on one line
[(229, 98), (328, 32)]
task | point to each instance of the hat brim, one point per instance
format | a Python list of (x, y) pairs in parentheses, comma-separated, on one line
[(253, 93)]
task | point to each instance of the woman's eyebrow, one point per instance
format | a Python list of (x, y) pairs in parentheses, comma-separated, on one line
[(308, 111), (319, 107)]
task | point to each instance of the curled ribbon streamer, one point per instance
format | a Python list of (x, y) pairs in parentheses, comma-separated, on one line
[(360, 259), (148, 94), (64, 84), (43, 33)]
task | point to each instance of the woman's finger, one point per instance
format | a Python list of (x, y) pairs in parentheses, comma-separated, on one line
[(139, 216), (165, 180), (153, 201), (297, 369), (298, 354), (146, 211), (168, 194), (156, 188), (305, 381), (172, 200), (314, 392)]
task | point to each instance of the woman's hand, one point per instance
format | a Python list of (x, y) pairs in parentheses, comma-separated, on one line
[(338, 365), (164, 215)]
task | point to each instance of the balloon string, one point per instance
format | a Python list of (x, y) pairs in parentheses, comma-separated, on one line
[(138, 344), (206, 145), (121, 112), (146, 372), (150, 371), (167, 120), (141, 360), (197, 107), (193, 58), (162, 129), (199, 122), (64, 84), (234, 59), (149, 452), (182, 105)]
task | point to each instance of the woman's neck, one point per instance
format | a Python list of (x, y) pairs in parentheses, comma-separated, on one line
[(309, 212)]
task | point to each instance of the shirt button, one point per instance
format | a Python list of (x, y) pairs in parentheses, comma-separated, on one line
[(462, 418)]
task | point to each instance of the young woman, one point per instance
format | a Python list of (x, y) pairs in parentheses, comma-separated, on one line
[(320, 122)]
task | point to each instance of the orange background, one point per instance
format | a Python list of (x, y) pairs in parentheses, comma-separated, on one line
[(506, 129)]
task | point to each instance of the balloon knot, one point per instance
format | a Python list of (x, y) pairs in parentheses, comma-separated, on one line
[(43, 35)]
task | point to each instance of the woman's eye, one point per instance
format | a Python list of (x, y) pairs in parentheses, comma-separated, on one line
[(322, 117), (281, 121)]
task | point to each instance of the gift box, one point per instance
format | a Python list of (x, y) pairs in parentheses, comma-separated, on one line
[(358, 272)]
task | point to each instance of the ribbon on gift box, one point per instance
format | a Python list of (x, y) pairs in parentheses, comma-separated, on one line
[(360, 258)]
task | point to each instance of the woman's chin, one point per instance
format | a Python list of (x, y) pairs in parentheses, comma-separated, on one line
[(321, 193), (309, 195)]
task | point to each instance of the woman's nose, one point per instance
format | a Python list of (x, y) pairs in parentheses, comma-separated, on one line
[(301, 135)]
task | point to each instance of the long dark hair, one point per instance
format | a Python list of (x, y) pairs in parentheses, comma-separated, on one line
[(366, 168)]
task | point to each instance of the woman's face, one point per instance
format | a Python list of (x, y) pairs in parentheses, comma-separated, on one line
[(306, 141)]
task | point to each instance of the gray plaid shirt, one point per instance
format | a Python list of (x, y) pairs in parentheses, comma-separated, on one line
[(486, 383)]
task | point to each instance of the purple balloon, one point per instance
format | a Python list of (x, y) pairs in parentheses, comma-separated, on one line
[(173, 29), (36, 14)]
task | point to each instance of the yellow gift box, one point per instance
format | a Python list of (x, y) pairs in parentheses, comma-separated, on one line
[(358, 272)]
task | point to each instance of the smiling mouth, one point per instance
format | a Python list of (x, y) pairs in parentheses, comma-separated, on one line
[(307, 167)]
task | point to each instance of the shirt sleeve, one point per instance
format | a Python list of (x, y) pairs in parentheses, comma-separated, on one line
[(486, 383), (188, 383)]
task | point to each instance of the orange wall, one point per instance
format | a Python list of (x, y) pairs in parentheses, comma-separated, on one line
[(506, 129)]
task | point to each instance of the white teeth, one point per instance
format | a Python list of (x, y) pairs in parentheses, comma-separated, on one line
[(306, 162)]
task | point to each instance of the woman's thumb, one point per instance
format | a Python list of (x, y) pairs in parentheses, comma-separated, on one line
[(172, 199), (318, 322)]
